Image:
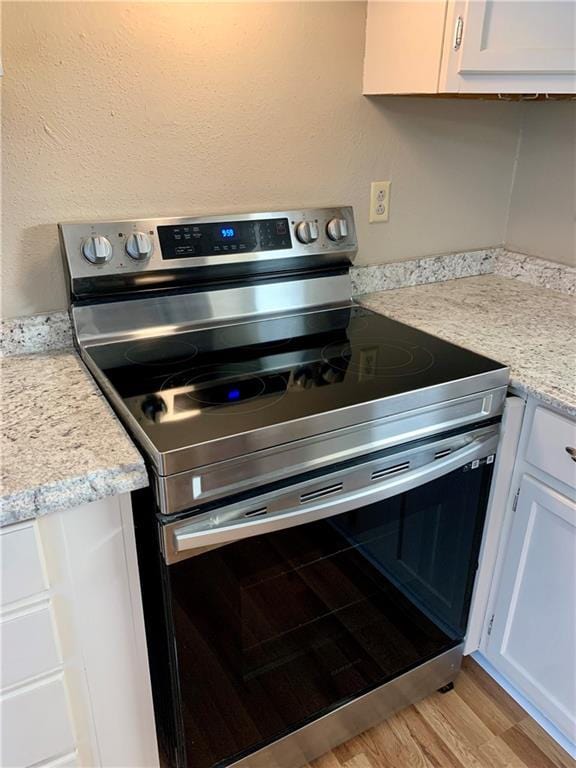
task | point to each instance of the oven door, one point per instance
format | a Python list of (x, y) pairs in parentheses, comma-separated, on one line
[(288, 606)]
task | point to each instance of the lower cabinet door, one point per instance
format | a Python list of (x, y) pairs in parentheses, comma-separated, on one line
[(533, 637), (35, 725)]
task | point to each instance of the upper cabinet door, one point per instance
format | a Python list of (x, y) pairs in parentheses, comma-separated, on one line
[(403, 46), (510, 46)]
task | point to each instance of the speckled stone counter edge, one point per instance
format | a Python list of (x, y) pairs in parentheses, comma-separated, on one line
[(539, 272), (430, 269), (524, 389), (435, 269), (36, 333), (53, 497)]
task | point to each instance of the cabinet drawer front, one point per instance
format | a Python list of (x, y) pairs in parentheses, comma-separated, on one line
[(22, 571), (28, 647), (550, 436), (35, 725)]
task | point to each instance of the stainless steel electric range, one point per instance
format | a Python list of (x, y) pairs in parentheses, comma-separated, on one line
[(319, 478)]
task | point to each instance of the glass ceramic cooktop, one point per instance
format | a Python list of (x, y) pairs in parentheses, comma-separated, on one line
[(198, 386)]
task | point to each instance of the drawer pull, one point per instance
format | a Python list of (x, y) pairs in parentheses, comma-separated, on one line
[(571, 452)]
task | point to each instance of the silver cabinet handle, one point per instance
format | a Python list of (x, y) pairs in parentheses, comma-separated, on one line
[(185, 537), (458, 31), (571, 452)]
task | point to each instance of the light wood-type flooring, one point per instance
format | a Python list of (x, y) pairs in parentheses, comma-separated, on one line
[(477, 725)]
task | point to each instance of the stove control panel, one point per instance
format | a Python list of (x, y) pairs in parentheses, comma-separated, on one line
[(104, 256), (224, 238)]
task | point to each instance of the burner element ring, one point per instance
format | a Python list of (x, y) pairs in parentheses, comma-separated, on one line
[(374, 358)]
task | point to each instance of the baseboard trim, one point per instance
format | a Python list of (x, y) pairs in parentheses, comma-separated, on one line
[(560, 738)]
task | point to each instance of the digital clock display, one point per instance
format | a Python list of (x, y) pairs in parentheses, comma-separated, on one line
[(227, 232)]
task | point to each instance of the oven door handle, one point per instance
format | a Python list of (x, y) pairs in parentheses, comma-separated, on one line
[(186, 539)]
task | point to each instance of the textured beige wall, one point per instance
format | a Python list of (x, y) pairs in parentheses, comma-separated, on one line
[(543, 203), (114, 109)]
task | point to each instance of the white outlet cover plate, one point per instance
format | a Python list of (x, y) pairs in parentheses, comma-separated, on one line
[(379, 201)]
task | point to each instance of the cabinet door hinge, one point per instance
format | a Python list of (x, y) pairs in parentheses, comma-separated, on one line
[(490, 623), (458, 32), (515, 502)]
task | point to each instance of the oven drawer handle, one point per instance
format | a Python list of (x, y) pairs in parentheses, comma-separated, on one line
[(182, 539)]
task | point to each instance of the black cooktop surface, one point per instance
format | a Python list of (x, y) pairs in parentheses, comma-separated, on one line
[(199, 386)]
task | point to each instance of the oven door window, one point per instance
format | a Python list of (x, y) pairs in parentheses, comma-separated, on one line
[(276, 630)]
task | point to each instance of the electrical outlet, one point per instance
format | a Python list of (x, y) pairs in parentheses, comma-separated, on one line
[(379, 201)]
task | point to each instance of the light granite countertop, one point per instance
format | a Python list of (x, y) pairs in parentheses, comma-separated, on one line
[(529, 328), (62, 445)]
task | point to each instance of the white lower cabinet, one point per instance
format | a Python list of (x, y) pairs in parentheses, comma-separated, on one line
[(74, 680), (532, 640), (36, 724), (530, 626), (29, 645), (34, 704)]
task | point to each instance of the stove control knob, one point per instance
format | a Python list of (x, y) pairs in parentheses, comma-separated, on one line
[(139, 246), (303, 378), (307, 232), (337, 229), (97, 249), (154, 408)]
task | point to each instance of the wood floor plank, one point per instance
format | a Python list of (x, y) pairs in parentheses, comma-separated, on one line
[(506, 703), (382, 746), (462, 718), (546, 743), (434, 712), (413, 754), (360, 761), (436, 750), (497, 754), (487, 708), (526, 749)]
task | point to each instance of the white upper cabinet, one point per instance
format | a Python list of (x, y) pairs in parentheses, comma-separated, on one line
[(470, 46)]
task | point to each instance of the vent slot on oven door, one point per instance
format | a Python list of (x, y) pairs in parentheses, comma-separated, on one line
[(256, 512), (441, 454), (320, 493), (380, 473)]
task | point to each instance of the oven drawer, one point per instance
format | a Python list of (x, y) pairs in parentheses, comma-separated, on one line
[(552, 446)]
